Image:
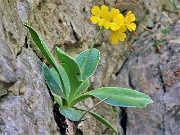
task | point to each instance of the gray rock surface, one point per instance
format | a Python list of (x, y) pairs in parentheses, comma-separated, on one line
[(25, 103), (157, 75)]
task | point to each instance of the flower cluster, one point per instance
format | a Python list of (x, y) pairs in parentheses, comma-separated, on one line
[(114, 21)]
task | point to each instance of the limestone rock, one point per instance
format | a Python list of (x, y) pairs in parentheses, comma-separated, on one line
[(25, 103), (157, 75)]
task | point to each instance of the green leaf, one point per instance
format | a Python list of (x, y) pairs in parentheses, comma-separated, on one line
[(92, 62), (117, 96), (79, 99), (58, 99), (42, 46), (156, 43), (45, 51), (71, 113), (52, 83), (56, 76), (121, 97), (84, 85), (64, 78), (165, 31), (72, 70), (103, 121), (67, 59)]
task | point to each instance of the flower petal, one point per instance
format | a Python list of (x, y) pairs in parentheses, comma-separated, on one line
[(94, 19), (123, 28), (119, 19), (114, 40), (95, 10), (106, 24), (113, 37), (128, 13), (132, 17), (104, 8), (114, 12), (133, 26), (101, 22), (115, 26), (122, 36)]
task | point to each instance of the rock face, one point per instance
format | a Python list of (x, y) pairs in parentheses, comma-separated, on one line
[(25, 103), (26, 106), (157, 75)]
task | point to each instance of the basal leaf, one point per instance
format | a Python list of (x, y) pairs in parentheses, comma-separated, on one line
[(79, 98), (56, 76), (121, 97), (117, 96), (58, 99), (42, 46), (72, 70), (52, 83), (71, 113), (65, 79), (103, 121), (84, 85), (88, 70), (45, 51), (67, 59)]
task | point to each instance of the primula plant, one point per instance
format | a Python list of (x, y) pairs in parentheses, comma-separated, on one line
[(68, 77)]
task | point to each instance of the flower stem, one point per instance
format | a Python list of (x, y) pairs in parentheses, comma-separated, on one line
[(91, 47)]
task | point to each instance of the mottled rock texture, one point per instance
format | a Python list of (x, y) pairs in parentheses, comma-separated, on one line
[(155, 73), (25, 102), (26, 107)]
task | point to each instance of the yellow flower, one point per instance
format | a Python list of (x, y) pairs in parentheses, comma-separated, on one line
[(129, 19), (98, 14), (113, 20), (118, 35)]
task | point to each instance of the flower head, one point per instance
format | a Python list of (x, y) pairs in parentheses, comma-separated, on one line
[(118, 35), (129, 19), (113, 20), (98, 14)]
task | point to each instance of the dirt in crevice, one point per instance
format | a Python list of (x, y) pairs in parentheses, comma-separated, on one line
[(60, 120), (75, 34), (161, 79), (130, 82), (164, 92), (123, 119)]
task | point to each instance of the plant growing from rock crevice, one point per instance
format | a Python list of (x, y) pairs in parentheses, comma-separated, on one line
[(68, 77)]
